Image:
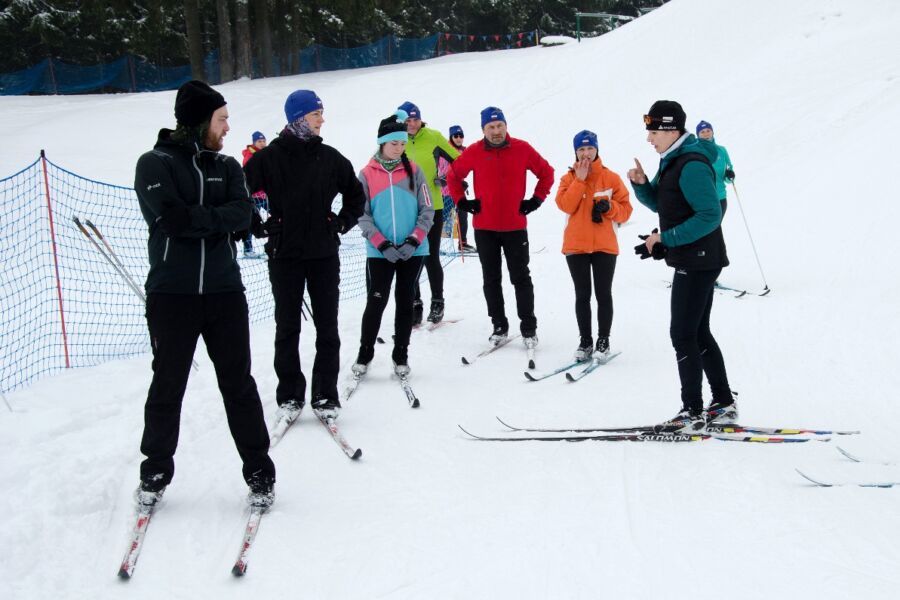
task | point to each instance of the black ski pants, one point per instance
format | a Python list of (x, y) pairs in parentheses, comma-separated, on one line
[(603, 267), (175, 322), (696, 349), (513, 245), (289, 279), (463, 221), (380, 274), (433, 260)]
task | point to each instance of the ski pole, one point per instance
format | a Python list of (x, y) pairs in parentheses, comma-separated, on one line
[(134, 288), (749, 235), (120, 270), (459, 244), (115, 256)]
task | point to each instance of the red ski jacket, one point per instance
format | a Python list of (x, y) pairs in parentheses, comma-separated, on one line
[(500, 181)]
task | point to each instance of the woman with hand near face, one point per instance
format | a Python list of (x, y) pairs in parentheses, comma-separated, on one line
[(596, 201)]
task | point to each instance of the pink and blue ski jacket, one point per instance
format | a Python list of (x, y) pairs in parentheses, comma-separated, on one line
[(393, 211)]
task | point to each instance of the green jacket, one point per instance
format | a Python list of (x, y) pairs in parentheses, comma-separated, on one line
[(699, 190), (424, 149), (723, 161)]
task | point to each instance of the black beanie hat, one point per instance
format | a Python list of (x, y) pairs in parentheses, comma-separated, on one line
[(393, 127), (665, 115), (196, 102)]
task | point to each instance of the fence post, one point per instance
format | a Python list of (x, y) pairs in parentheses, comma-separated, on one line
[(62, 314), (131, 69), (52, 75)]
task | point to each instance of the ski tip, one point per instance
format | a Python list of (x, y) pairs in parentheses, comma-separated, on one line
[(415, 403), (465, 361), (239, 569), (379, 339), (529, 376), (570, 378), (852, 457), (471, 435), (124, 574), (766, 291), (811, 480), (356, 454)]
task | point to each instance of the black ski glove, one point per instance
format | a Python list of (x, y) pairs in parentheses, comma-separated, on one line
[(469, 206), (729, 174), (530, 205), (600, 208), (336, 224), (260, 229), (658, 252)]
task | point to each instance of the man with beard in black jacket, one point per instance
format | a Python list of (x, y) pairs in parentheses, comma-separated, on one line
[(193, 199), (301, 177)]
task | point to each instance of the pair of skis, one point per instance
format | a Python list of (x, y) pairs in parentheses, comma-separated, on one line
[(589, 367), (888, 481), (403, 379), (493, 348), (652, 433), (422, 327), (282, 424), (142, 522)]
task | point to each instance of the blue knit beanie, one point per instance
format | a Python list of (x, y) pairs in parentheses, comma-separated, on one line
[(585, 138), (704, 125), (257, 135), (456, 130), (490, 114), (410, 109), (300, 103)]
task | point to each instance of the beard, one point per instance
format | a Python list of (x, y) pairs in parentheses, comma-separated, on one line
[(214, 141)]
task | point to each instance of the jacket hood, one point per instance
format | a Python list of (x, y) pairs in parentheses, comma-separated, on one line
[(164, 139)]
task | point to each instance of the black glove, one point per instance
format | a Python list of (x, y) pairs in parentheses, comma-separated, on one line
[(729, 174), (260, 229), (530, 205), (646, 235), (175, 219), (240, 236), (659, 251), (336, 224), (469, 206), (600, 208)]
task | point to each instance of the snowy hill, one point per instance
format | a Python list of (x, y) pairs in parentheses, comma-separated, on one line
[(802, 94)]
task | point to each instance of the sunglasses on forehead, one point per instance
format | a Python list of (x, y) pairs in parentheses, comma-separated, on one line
[(648, 120)]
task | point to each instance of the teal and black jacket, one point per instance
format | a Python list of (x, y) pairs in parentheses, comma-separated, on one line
[(683, 193)]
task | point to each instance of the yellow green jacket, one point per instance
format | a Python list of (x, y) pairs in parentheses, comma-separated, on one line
[(424, 149)]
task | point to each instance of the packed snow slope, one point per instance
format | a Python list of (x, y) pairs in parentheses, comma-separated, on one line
[(802, 93)]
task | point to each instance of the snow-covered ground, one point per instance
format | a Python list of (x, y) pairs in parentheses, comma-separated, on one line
[(802, 93)]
